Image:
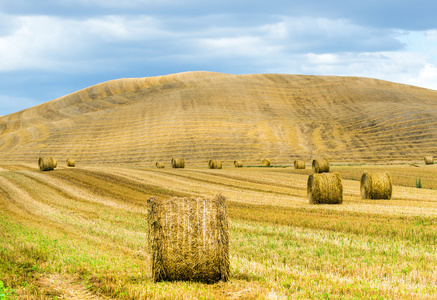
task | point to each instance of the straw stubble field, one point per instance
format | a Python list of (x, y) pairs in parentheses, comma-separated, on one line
[(81, 233)]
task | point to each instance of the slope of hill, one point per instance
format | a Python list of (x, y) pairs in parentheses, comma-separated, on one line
[(204, 115)]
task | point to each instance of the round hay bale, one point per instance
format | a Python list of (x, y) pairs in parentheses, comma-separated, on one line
[(320, 165), (299, 164), (189, 239), (178, 163), (429, 160), (46, 163), (376, 186), (238, 163), (71, 162), (212, 164), (325, 188), (265, 163), (160, 165)]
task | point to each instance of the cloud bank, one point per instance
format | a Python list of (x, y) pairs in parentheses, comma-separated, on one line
[(52, 48)]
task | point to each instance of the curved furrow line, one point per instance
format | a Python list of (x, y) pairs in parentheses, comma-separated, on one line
[(186, 185), (243, 186), (402, 197), (289, 181), (118, 187), (93, 221), (78, 192), (20, 201)]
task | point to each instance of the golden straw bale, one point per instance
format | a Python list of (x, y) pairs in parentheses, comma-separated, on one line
[(376, 186), (71, 162), (238, 163), (189, 239), (265, 163), (46, 163), (429, 160), (178, 163), (212, 164), (320, 165), (325, 188), (299, 164), (160, 165)]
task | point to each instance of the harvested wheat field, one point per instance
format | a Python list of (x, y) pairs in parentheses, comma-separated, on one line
[(83, 232), (85, 229)]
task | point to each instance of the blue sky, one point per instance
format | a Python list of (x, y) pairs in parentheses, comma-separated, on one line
[(50, 48)]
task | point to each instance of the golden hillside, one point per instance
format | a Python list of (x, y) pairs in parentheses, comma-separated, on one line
[(204, 115)]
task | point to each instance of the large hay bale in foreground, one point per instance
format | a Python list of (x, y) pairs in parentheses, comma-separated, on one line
[(320, 165), (46, 163), (160, 165), (178, 163), (325, 188), (238, 163), (429, 160), (71, 162), (299, 164), (212, 164), (265, 163), (189, 239), (376, 186)]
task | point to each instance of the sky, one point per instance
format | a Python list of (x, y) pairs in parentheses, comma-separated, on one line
[(51, 48)]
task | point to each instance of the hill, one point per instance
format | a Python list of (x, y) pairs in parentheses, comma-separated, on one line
[(204, 115)]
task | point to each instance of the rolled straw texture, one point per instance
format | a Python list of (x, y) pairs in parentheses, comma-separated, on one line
[(265, 163), (325, 188), (71, 162), (189, 239), (178, 163), (160, 165), (238, 163), (46, 163), (376, 186), (429, 160), (299, 164), (212, 164), (320, 165)]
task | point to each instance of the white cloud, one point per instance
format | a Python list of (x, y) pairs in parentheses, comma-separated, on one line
[(245, 46), (427, 77), (407, 67), (431, 35), (52, 43), (95, 44)]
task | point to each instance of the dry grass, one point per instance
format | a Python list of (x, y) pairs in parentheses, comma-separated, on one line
[(238, 163), (83, 232), (376, 186), (325, 188), (47, 163), (71, 162), (299, 164), (429, 160), (189, 239), (320, 165), (213, 164), (178, 163)]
